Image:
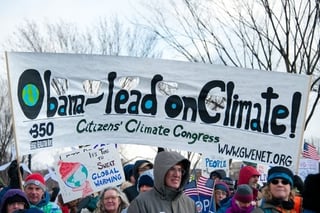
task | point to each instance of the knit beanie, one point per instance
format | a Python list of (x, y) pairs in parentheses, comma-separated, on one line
[(36, 179), (146, 178), (244, 193), (222, 186), (280, 172)]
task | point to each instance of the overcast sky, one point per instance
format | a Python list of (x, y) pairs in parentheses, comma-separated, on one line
[(14, 12)]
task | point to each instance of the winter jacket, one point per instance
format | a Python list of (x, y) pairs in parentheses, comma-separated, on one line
[(268, 207), (236, 209), (162, 198)]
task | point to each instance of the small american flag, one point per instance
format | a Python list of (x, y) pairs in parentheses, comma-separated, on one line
[(191, 189), (205, 185), (309, 151)]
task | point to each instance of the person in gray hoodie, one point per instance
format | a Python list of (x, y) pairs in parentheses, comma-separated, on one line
[(171, 173)]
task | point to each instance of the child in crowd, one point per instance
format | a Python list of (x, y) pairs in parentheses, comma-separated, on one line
[(242, 201)]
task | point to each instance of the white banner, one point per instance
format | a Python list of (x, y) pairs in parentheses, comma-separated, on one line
[(88, 170), (64, 100)]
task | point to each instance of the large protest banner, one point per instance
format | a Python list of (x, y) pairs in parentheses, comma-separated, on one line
[(85, 171), (64, 100)]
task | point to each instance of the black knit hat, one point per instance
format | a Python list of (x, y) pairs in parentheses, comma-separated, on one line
[(244, 193), (145, 180), (280, 172)]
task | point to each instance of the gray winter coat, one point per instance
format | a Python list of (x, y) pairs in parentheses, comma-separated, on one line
[(161, 198)]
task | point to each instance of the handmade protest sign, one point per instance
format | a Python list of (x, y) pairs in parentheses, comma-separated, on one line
[(85, 171), (70, 99)]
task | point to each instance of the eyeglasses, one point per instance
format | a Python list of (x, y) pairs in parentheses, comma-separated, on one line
[(277, 181), (219, 192), (179, 170)]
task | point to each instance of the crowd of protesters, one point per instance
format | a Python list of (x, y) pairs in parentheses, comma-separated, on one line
[(159, 187)]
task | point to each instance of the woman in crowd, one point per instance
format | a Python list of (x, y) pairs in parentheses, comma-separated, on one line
[(221, 192), (13, 200), (279, 194), (112, 200)]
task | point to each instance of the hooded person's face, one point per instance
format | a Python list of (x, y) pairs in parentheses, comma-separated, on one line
[(174, 176)]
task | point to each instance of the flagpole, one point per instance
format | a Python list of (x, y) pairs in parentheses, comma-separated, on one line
[(13, 123)]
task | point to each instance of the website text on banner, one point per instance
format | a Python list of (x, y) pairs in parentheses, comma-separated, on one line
[(66, 99)]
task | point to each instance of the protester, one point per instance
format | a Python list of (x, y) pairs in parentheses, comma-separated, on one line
[(63, 206), (250, 175), (221, 192), (54, 193), (298, 185), (171, 173), (218, 174), (128, 173), (37, 194), (145, 181), (14, 180), (230, 183), (139, 167), (279, 195), (112, 200), (88, 203), (241, 202), (310, 194), (12, 200)]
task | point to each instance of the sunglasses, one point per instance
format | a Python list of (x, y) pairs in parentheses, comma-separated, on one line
[(277, 181)]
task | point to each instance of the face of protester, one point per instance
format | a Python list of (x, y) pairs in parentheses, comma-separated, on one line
[(253, 181), (34, 193), (144, 188), (280, 189), (219, 195), (143, 169), (111, 201), (15, 206), (174, 176)]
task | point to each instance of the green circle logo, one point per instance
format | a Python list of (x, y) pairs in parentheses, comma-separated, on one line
[(30, 95)]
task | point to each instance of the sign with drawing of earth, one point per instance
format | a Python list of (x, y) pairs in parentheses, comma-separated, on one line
[(73, 174)]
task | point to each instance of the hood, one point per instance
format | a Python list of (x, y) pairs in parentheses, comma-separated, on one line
[(163, 162), (10, 194), (246, 173)]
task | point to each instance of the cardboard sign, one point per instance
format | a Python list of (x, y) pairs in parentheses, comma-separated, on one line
[(85, 171)]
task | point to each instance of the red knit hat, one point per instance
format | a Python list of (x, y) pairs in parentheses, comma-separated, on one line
[(244, 193), (36, 179)]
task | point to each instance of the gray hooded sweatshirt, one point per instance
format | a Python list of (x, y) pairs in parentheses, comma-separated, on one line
[(162, 199)]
